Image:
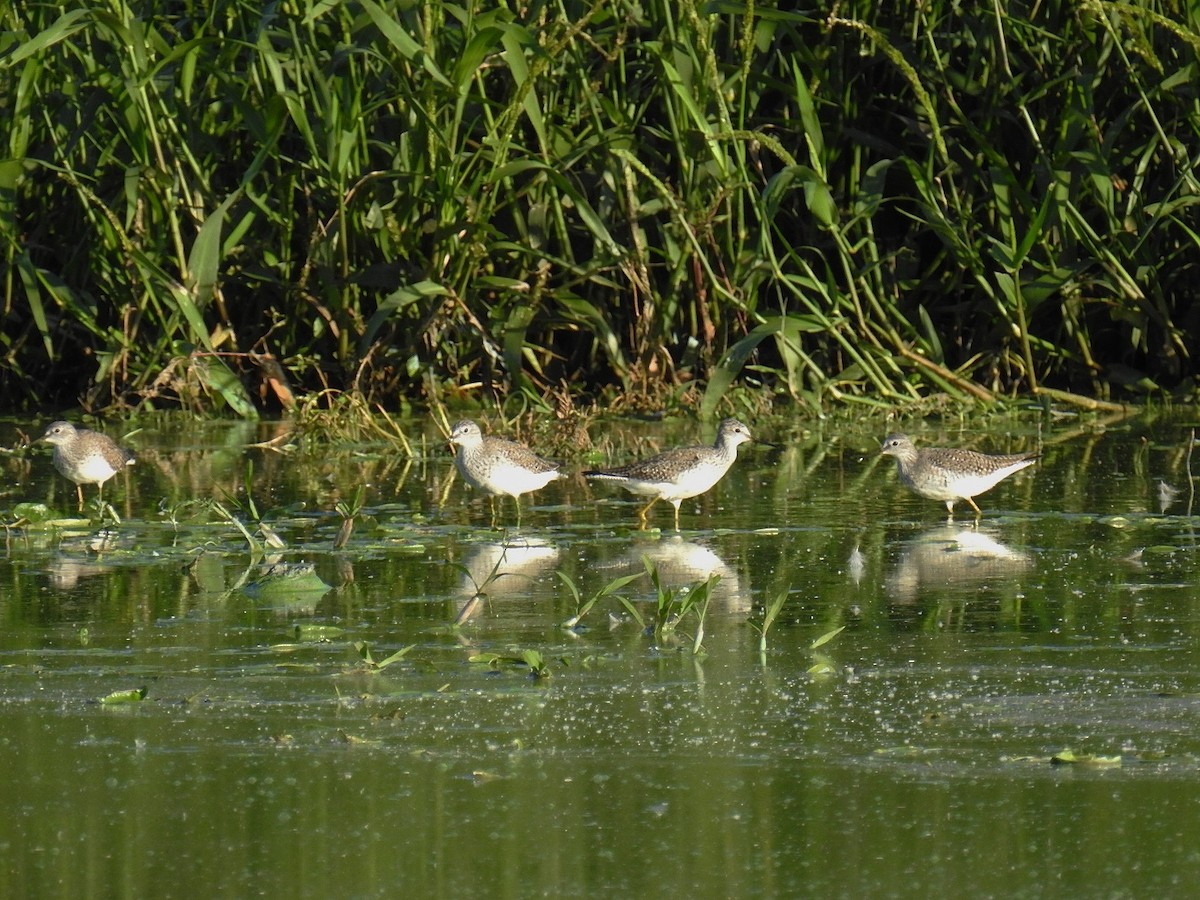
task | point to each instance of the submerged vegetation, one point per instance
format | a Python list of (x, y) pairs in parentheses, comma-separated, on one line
[(238, 206)]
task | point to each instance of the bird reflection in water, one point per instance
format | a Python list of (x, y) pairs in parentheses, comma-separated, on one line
[(681, 563), (1167, 495), (503, 569), (951, 557), (83, 558)]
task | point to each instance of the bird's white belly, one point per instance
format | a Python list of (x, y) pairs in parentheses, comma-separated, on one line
[(94, 470)]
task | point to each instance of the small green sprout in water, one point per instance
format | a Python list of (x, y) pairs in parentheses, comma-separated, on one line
[(824, 665), (673, 605), (256, 550), (770, 614), (349, 513), (248, 510), (581, 606), (104, 508), (539, 666), (476, 599), (699, 596), (174, 513), (368, 661)]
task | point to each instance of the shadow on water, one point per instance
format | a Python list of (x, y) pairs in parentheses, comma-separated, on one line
[(208, 697)]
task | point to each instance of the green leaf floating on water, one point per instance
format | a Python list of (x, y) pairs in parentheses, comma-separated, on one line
[(538, 665), (134, 695), (287, 584), (536, 662), (1068, 757), (318, 633), (32, 512), (354, 740), (39, 517)]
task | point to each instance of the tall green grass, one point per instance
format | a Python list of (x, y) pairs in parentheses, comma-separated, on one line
[(864, 203)]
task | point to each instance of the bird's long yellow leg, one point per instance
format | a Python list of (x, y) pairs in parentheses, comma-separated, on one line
[(645, 509), (978, 511)]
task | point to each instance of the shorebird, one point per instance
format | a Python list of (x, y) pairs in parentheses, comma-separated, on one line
[(950, 474), (85, 456), (498, 466), (679, 473)]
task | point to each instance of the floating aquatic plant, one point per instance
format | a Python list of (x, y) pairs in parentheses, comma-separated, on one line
[(132, 695), (368, 662), (583, 606), (538, 665)]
